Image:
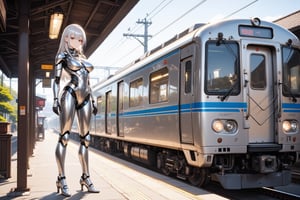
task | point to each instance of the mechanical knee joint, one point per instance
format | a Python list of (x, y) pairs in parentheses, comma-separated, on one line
[(85, 140), (64, 138)]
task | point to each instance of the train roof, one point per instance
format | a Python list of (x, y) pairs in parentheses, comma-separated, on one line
[(188, 36), (163, 45), (185, 36)]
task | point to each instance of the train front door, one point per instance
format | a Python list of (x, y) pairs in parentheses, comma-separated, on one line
[(186, 100), (261, 97)]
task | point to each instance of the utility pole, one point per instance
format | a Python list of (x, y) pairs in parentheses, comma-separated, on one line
[(145, 35)]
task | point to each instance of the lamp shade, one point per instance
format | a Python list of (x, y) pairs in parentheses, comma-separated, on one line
[(56, 20)]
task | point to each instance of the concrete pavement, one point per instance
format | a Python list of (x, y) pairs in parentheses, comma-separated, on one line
[(115, 178)]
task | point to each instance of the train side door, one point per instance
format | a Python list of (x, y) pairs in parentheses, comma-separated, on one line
[(261, 97), (108, 113), (120, 109), (186, 95)]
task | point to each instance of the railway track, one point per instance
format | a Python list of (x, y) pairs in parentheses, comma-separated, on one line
[(244, 194), (296, 174), (279, 194)]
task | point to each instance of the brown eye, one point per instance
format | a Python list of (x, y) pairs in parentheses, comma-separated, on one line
[(81, 41), (72, 38)]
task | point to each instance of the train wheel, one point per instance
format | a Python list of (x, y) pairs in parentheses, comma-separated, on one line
[(162, 165), (198, 177)]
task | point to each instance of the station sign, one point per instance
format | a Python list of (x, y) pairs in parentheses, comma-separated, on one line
[(46, 67)]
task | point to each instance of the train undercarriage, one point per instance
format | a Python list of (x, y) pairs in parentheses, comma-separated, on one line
[(231, 171)]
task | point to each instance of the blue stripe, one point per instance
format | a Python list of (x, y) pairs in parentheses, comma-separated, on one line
[(184, 108), (291, 107), (153, 111), (218, 106)]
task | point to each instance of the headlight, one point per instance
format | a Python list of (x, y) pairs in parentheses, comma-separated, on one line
[(290, 126), (230, 126), (218, 126), (224, 126)]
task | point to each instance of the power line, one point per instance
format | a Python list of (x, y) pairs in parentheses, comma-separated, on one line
[(148, 15), (122, 40), (180, 17), (159, 9), (131, 51), (246, 6), (145, 35), (187, 12), (146, 25)]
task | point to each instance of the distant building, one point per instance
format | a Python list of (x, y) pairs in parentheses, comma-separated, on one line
[(291, 22)]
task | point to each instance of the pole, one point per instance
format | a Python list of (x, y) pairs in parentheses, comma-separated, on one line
[(23, 96), (145, 35)]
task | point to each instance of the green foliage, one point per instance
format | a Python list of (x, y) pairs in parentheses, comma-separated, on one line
[(5, 104), (2, 119), (5, 94), (6, 107)]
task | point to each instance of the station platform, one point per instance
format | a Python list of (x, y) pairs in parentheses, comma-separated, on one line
[(115, 178)]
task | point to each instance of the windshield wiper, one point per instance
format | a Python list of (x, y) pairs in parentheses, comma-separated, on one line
[(289, 90), (229, 92)]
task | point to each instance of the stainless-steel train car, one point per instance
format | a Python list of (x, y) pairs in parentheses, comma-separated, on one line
[(219, 101)]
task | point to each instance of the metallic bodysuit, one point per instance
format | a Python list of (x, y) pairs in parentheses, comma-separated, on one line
[(72, 95)]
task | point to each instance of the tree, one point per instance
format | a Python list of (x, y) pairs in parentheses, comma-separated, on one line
[(5, 105)]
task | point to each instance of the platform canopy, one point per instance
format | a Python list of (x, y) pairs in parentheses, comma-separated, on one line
[(291, 22), (97, 17)]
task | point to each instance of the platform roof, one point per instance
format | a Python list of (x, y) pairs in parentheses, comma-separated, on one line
[(97, 17), (291, 22)]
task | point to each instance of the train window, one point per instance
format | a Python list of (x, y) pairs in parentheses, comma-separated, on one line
[(100, 104), (188, 77), (222, 69), (108, 112), (120, 96), (159, 84), (136, 93), (291, 71), (258, 71)]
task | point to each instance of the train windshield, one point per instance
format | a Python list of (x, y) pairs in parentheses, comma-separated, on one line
[(222, 69), (291, 72)]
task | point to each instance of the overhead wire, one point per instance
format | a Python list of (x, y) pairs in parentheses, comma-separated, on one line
[(134, 30), (148, 15), (159, 9), (246, 6), (178, 18)]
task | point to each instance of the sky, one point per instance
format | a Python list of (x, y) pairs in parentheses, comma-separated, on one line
[(170, 17)]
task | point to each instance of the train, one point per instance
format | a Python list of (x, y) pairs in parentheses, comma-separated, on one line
[(217, 102)]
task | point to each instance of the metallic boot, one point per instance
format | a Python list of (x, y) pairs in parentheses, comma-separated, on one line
[(61, 184), (86, 181)]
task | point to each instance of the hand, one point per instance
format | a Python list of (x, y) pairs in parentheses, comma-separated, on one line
[(95, 110), (56, 107)]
